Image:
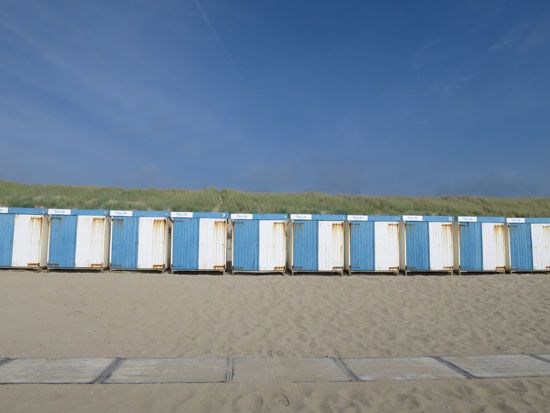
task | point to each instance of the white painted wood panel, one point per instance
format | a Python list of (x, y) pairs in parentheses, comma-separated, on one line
[(331, 245), (386, 246), (212, 243), (29, 241), (441, 246), (92, 238), (152, 243), (540, 239), (272, 243), (494, 246)]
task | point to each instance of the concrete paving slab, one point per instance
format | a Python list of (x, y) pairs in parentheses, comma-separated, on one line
[(545, 357), (294, 370), (408, 368), (501, 366), (169, 370), (53, 371)]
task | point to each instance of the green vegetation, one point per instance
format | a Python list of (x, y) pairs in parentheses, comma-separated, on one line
[(210, 199)]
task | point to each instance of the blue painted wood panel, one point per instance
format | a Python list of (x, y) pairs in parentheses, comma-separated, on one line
[(125, 234), (306, 246), (6, 239), (185, 246), (418, 246), (246, 245), (521, 250), (471, 247), (62, 247), (362, 246)]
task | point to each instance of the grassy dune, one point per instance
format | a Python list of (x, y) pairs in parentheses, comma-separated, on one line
[(211, 199)]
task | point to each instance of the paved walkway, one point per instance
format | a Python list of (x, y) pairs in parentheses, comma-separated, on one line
[(254, 370)]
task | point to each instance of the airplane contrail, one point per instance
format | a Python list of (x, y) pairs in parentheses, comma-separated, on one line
[(211, 28)]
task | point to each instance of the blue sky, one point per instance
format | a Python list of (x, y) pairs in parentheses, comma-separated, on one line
[(418, 98)]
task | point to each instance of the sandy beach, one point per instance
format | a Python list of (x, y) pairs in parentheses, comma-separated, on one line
[(151, 315)]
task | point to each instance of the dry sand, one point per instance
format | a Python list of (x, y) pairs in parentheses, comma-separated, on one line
[(137, 315)]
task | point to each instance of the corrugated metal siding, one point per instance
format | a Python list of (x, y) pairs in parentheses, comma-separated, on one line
[(494, 247), (212, 243), (521, 253), (6, 239), (362, 246), (386, 246), (418, 246), (91, 238), (62, 247), (441, 246), (471, 249), (29, 240), (331, 245), (540, 235), (305, 250), (185, 244), (246, 239), (272, 245), (124, 242), (152, 243)]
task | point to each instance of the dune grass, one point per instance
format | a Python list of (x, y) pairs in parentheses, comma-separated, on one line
[(211, 199)]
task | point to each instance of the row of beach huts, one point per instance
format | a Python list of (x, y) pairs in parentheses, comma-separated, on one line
[(219, 242)]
